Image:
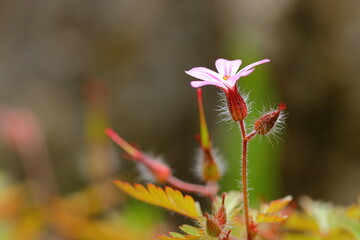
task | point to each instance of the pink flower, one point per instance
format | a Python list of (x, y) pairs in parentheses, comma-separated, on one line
[(227, 75), (226, 79)]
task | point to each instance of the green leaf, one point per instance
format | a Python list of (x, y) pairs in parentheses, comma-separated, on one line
[(190, 230), (193, 233)]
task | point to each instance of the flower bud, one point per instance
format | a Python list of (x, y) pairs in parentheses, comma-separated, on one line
[(220, 216), (204, 137), (227, 236), (212, 227), (236, 104), (267, 122), (210, 168), (210, 171), (253, 229), (160, 170), (22, 131)]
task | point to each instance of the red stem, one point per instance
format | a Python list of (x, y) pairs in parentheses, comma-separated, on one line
[(208, 190), (245, 140)]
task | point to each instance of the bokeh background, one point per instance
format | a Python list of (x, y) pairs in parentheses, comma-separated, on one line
[(69, 69)]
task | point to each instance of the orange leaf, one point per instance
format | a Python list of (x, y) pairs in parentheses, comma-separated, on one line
[(277, 205), (170, 199), (264, 218), (193, 234)]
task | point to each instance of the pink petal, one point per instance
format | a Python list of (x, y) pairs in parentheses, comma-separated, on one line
[(233, 79), (227, 67), (249, 67), (246, 71), (197, 84), (204, 74)]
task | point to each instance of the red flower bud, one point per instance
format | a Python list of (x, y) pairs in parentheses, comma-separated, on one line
[(160, 170), (212, 227), (267, 122), (210, 168), (227, 236), (220, 216), (253, 229), (236, 104)]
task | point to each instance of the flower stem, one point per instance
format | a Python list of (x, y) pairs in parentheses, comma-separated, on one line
[(162, 171), (245, 140), (209, 190)]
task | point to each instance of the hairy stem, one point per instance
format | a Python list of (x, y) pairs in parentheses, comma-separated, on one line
[(245, 140), (163, 171), (209, 190)]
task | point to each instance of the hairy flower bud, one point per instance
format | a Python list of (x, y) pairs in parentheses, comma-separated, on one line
[(236, 104), (210, 169), (227, 236), (216, 224), (160, 170), (253, 229), (212, 227), (267, 122), (220, 216)]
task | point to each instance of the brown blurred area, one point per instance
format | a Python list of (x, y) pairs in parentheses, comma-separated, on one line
[(318, 67), (138, 51)]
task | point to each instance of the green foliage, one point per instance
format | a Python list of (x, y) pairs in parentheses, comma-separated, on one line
[(320, 220), (315, 220)]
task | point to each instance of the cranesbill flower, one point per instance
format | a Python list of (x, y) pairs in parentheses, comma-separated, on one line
[(226, 78), (227, 75)]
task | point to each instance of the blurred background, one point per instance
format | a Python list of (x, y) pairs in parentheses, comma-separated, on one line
[(69, 69)]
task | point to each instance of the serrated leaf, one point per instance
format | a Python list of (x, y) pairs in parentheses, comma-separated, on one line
[(174, 234), (170, 199), (277, 205), (183, 237), (264, 218), (193, 234), (190, 230)]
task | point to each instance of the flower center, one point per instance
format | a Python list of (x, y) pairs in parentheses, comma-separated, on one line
[(226, 77)]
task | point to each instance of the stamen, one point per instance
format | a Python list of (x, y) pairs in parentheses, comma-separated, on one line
[(226, 77)]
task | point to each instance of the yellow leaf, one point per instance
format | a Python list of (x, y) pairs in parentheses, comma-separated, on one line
[(353, 211), (277, 205), (193, 234), (191, 230), (182, 237), (302, 222), (170, 199), (264, 218)]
